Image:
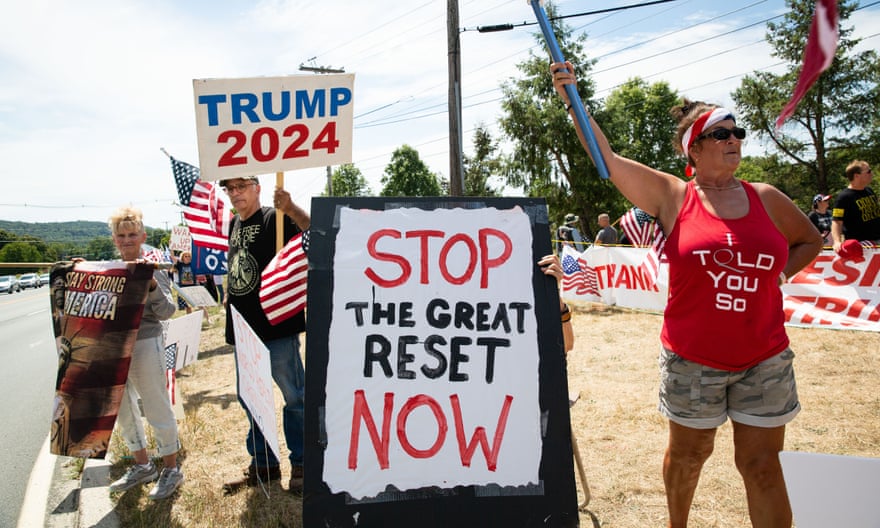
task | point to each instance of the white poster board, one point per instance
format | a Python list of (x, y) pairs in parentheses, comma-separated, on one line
[(832, 490), (262, 125), (181, 239), (186, 332), (196, 296), (255, 379), (433, 363)]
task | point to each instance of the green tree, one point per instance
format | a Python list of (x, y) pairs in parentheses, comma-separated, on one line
[(100, 248), (484, 164), (835, 117), (20, 251), (636, 121), (349, 181), (407, 175), (547, 159), (157, 237)]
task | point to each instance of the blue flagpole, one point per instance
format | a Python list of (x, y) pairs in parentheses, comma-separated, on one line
[(571, 90)]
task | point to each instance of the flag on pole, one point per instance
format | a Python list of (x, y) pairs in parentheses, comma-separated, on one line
[(283, 282), (170, 372), (203, 210), (818, 54), (638, 226)]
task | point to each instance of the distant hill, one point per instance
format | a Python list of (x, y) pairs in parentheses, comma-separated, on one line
[(78, 232)]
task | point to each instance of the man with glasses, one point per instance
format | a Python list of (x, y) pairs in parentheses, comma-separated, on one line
[(856, 213), (251, 248)]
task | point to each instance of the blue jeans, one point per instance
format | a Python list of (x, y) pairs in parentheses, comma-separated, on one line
[(289, 375)]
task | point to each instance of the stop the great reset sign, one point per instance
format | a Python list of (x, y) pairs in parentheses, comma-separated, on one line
[(261, 125)]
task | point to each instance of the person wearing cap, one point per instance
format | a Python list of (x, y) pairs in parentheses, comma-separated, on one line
[(607, 235), (725, 352), (820, 215), (252, 244), (856, 212), (570, 234)]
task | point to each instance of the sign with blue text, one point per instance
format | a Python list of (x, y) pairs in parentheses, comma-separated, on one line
[(436, 387), (261, 125)]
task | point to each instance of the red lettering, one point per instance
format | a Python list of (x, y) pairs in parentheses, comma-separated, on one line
[(472, 261), (423, 236), (380, 445), (466, 450), (485, 262), (407, 408), (405, 268), (623, 278), (871, 271), (850, 275)]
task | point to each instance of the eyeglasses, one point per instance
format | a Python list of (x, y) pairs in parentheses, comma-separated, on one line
[(236, 188), (722, 134)]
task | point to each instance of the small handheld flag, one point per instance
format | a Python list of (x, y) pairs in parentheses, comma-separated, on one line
[(575, 99)]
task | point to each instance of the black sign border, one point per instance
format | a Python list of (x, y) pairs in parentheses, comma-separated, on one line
[(552, 503)]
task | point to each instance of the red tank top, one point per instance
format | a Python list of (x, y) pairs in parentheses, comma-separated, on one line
[(725, 306)]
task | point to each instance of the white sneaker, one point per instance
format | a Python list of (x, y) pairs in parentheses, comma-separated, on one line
[(135, 475), (169, 481)]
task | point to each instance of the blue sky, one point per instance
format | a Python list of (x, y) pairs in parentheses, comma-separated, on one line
[(93, 89)]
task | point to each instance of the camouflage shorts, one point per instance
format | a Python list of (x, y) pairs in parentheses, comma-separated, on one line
[(703, 397)]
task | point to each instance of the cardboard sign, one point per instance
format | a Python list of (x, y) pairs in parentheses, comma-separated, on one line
[(185, 332), (255, 379), (262, 125), (436, 373), (181, 240), (195, 296)]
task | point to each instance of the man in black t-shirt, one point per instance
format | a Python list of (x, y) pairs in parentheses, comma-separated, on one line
[(251, 248), (856, 213)]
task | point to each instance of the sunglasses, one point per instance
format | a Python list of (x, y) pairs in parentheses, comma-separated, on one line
[(722, 134)]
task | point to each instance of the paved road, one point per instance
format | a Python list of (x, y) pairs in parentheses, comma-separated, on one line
[(28, 367)]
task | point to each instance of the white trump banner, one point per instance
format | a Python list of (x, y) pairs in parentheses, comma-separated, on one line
[(830, 292), (261, 125)]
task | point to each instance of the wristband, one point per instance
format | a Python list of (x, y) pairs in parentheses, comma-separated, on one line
[(565, 314)]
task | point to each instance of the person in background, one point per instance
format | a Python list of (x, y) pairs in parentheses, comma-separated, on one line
[(146, 374), (251, 248), (218, 285), (820, 215), (725, 353), (607, 235), (856, 213), (569, 234), (185, 278)]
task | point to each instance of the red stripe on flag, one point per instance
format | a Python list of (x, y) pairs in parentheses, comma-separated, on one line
[(818, 54), (206, 217), (283, 282)]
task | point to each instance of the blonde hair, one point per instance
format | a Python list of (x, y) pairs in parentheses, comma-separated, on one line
[(126, 217)]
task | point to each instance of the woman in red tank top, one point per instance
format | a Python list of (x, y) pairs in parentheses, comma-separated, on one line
[(730, 245)]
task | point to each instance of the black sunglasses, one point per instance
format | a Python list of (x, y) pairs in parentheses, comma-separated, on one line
[(724, 133)]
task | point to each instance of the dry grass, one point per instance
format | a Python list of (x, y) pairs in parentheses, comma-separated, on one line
[(620, 433)]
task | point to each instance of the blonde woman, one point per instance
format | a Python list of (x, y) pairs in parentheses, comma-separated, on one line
[(146, 374)]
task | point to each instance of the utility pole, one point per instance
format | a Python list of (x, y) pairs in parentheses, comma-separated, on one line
[(456, 170), (324, 69)]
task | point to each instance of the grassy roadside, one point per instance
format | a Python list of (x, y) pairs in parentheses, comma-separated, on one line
[(620, 434)]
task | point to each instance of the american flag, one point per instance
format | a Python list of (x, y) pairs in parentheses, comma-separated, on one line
[(639, 227), (170, 376), (818, 54), (655, 253), (578, 277), (154, 254), (283, 282), (203, 210)]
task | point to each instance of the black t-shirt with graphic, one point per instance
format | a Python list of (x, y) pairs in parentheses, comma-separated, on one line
[(251, 248), (860, 212)]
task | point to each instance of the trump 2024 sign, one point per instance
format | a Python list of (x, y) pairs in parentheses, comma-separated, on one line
[(436, 391), (261, 125)]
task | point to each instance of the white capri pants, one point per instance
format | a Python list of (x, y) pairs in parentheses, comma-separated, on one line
[(146, 379)]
